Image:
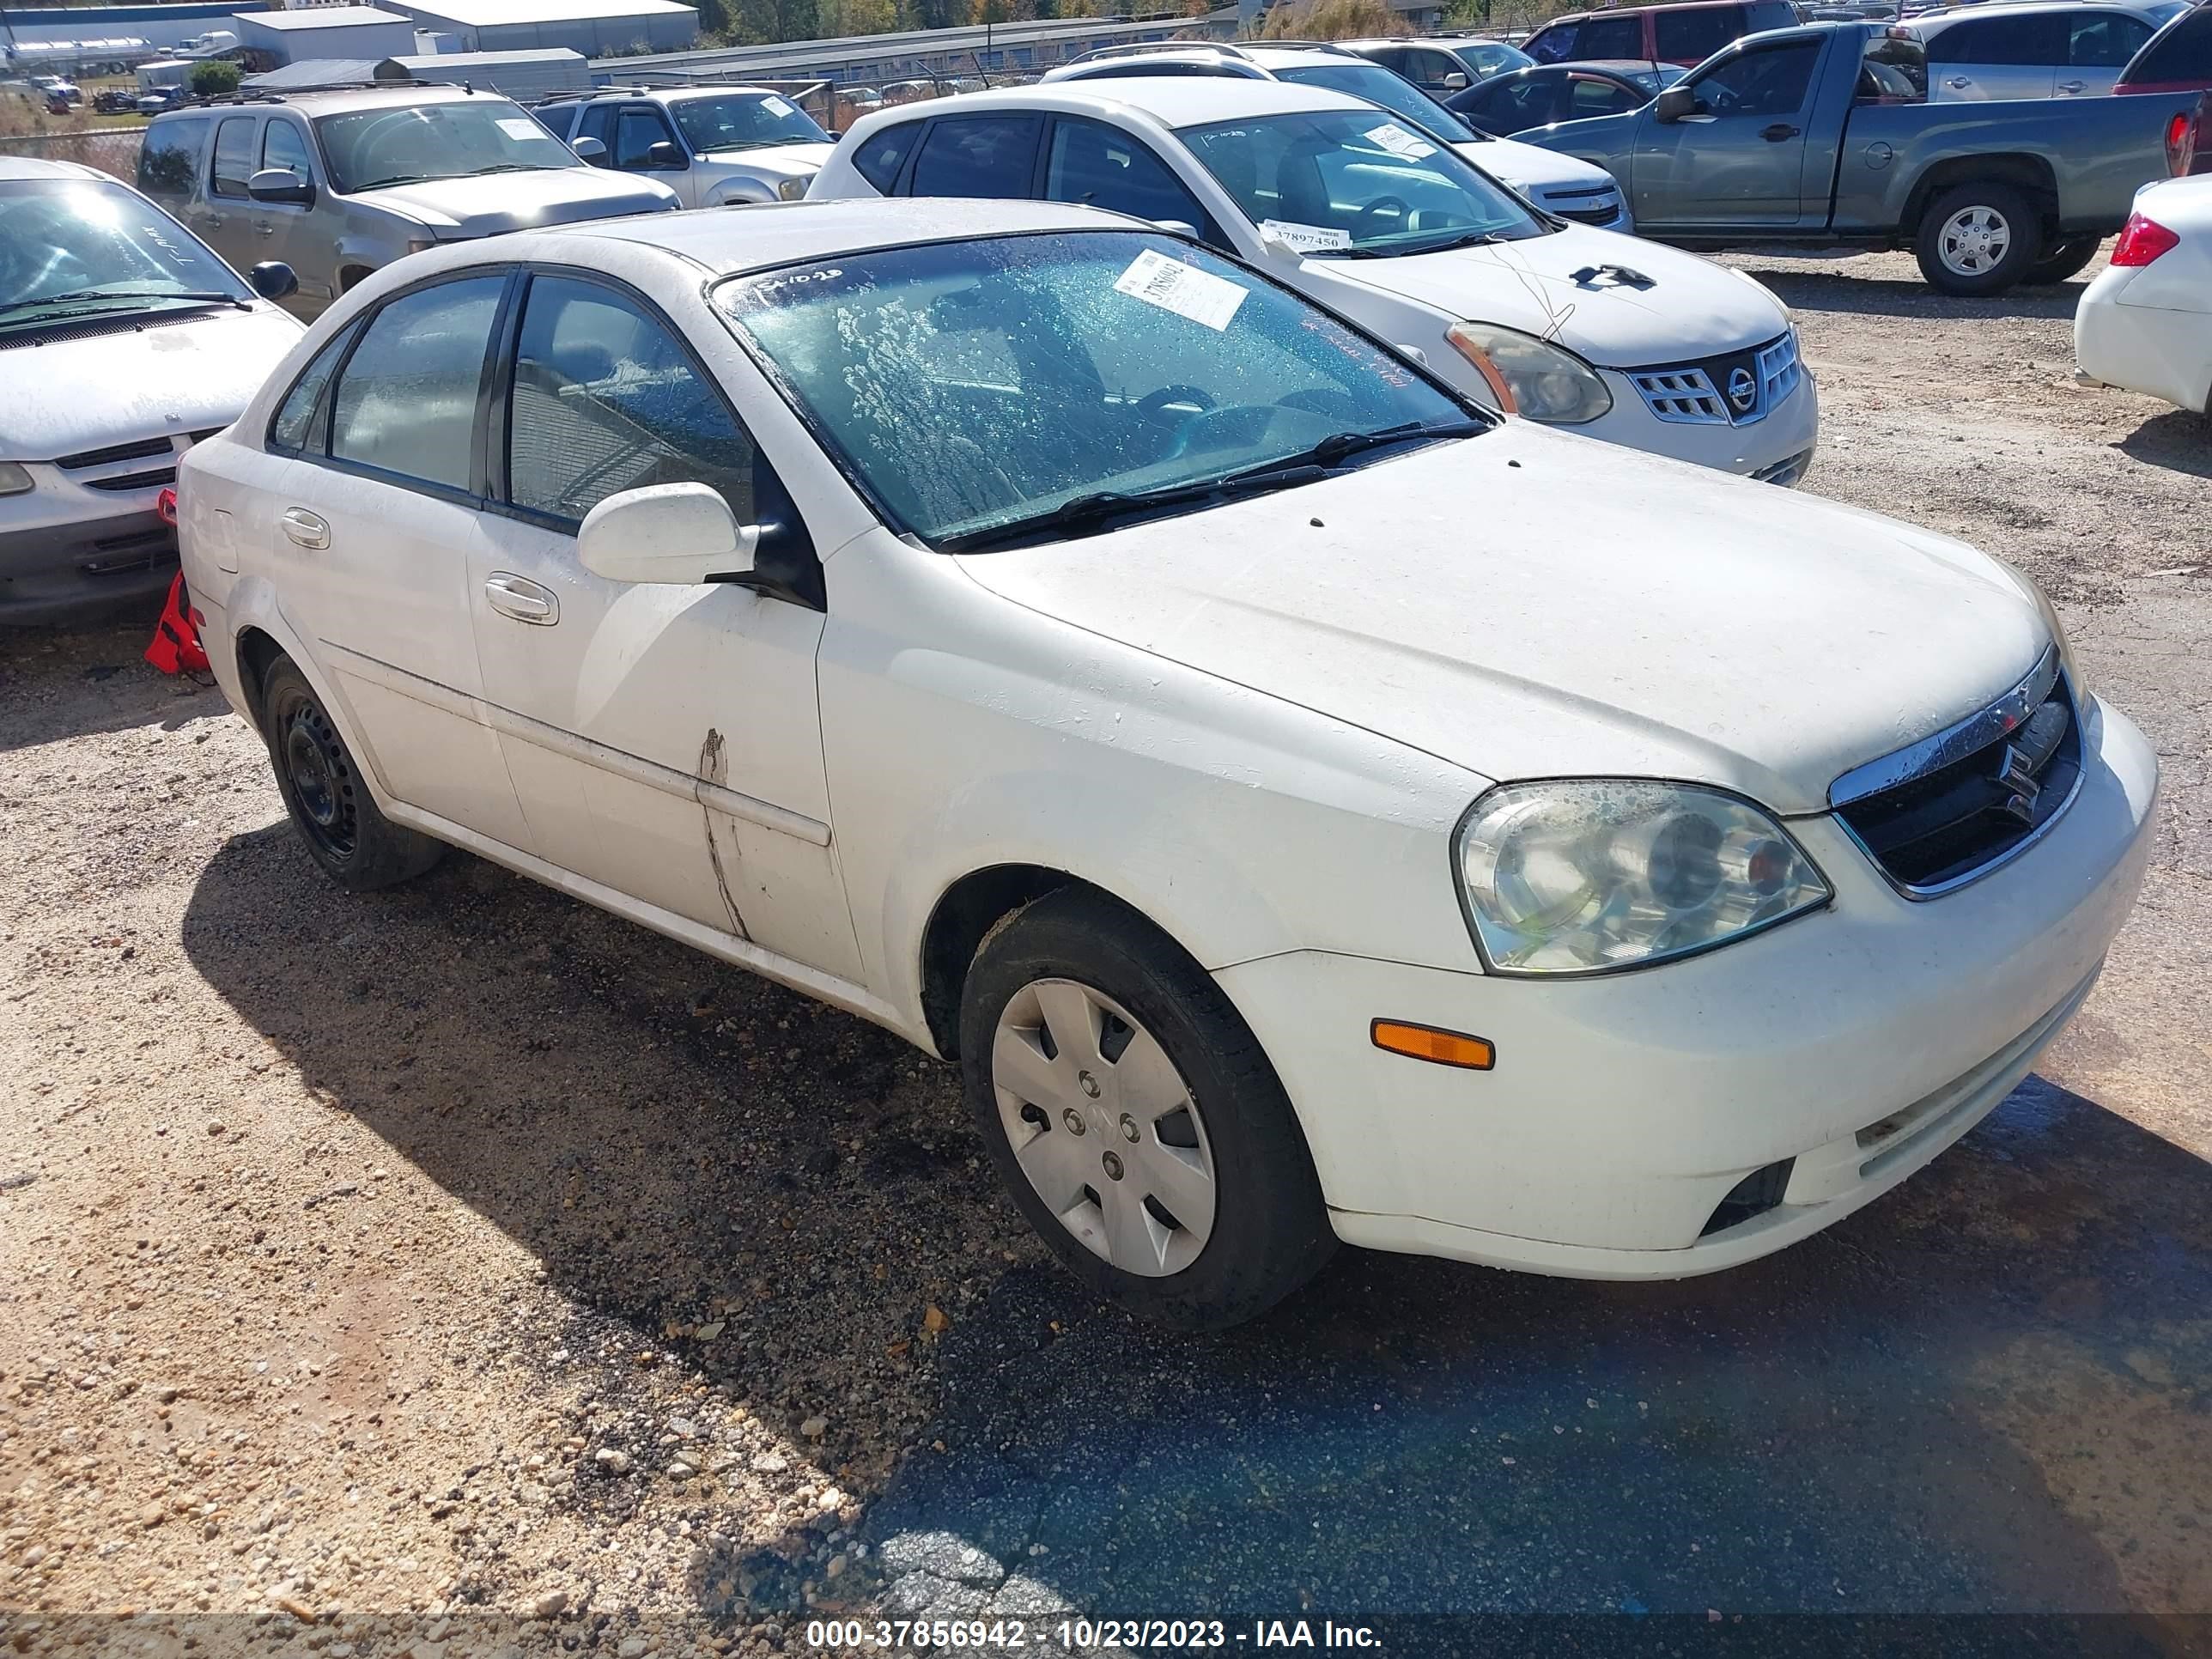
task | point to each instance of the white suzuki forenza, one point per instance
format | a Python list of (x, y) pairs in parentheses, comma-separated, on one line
[(1308, 807)]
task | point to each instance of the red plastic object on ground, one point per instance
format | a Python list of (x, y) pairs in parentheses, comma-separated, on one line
[(176, 646)]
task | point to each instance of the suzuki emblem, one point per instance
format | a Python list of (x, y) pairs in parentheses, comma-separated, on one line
[(2018, 784)]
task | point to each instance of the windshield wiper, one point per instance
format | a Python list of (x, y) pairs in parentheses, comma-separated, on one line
[(1473, 239), (1086, 513), (396, 179), (1340, 446), (515, 167), (79, 295)]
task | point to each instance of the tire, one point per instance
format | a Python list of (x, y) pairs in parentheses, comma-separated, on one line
[(1998, 239), (2064, 259), (1076, 974), (330, 805)]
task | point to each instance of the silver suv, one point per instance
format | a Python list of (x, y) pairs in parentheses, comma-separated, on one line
[(715, 146), (338, 183), (2048, 50)]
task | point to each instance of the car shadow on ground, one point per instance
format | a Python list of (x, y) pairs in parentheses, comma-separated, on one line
[(1986, 1392), (1874, 296), (2178, 440), (36, 663)]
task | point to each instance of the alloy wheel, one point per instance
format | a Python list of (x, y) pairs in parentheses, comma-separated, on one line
[(1974, 241), (1105, 1127)]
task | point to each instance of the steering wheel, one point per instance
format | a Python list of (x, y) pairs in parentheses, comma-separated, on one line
[(1156, 402), (1220, 427), (1376, 209)]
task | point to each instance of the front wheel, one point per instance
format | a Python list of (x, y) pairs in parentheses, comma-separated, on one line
[(1978, 239), (1134, 1118), (357, 846)]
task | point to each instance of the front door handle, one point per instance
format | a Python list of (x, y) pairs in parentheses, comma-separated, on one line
[(309, 530), (522, 600), (266, 230), (1958, 83), (214, 222), (2072, 86), (1778, 132)]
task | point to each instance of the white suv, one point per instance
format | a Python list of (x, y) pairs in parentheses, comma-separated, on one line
[(1573, 189), (714, 146)]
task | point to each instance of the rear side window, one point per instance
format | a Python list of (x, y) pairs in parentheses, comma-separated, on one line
[(294, 427), (2030, 41), (2181, 52), (168, 160), (879, 159), (1616, 37), (407, 401), (1694, 36), (233, 155), (2105, 40), (992, 155)]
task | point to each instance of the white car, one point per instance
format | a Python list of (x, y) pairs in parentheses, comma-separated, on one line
[(1565, 184), (1283, 786), (1617, 338), (2145, 324), (715, 146), (124, 340)]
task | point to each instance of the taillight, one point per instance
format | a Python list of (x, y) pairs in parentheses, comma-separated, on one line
[(164, 506), (2142, 240)]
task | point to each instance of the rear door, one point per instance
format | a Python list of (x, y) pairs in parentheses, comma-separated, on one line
[(1738, 160), (1998, 57), (2100, 45), (171, 165)]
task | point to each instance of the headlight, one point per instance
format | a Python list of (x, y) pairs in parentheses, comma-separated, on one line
[(1548, 382), (15, 478), (792, 190), (1589, 876)]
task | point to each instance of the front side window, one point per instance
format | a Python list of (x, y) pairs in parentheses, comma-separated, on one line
[(973, 386), (606, 400), (1589, 95), (169, 158), (989, 156), (1355, 182), (295, 427), (637, 129), (745, 120), (234, 156), (1555, 45), (72, 247), (406, 402), (1098, 166), (1392, 92), (1516, 104), (460, 138), (284, 146), (2029, 42), (1765, 81)]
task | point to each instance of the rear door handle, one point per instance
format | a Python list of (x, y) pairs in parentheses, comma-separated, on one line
[(521, 599), (214, 222), (266, 230), (2072, 86), (309, 530), (1958, 83), (1778, 132)]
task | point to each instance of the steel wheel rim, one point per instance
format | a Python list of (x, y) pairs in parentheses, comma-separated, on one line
[(1103, 1127), (321, 779), (1974, 241)]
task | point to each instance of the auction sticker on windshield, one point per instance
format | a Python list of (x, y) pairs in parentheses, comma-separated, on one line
[(1306, 238), (1399, 142), (1184, 289), (775, 105), (521, 127)]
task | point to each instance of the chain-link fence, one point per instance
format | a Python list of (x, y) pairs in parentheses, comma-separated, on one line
[(111, 150)]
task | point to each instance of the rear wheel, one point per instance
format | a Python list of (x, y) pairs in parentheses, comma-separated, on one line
[(1135, 1119), (2064, 259), (1978, 239), (357, 846)]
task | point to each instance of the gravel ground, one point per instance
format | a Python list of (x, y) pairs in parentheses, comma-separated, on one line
[(460, 1269)]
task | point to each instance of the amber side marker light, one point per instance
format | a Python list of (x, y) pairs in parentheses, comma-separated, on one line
[(1471, 1053)]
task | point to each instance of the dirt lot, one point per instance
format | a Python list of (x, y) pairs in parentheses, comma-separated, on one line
[(461, 1267)]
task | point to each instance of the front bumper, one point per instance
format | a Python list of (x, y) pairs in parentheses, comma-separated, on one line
[(1858, 1041), (78, 570), (1778, 447)]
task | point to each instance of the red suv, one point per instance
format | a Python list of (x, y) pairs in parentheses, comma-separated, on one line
[(1685, 35), (2178, 58)]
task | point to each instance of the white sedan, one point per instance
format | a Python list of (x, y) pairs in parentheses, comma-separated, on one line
[(1277, 782), (1618, 338), (2145, 324)]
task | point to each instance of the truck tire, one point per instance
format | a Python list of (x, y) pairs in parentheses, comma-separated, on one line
[(1134, 1118), (2064, 259), (1978, 239)]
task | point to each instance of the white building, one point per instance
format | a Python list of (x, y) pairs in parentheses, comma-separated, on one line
[(288, 37), (597, 28)]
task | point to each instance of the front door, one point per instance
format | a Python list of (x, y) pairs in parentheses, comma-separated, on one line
[(2099, 46), (381, 509), (299, 234), (1739, 159), (665, 739)]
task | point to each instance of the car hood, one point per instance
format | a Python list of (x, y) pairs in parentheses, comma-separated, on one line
[(1692, 308), (774, 161), (67, 396), (1528, 168), (491, 203), (1530, 604)]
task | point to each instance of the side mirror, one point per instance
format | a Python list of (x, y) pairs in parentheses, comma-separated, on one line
[(1674, 105), (279, 184), (1455, 80), (1412, 351), (272, 279), (663, 154), (591, 150), (1178, 226), (1279, 249), (680, 532)]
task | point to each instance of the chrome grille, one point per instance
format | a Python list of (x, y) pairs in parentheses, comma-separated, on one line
[(1683, 395), (1588, 204), (131, 452), (1738, 388)]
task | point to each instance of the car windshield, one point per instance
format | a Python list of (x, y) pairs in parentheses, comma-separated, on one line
[(457, 138), (745, 120), (1393, 92), (987, 390), (70, 246), (1357, 183)]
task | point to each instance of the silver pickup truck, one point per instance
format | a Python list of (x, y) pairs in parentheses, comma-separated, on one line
[(337, 184), (1823, 135)]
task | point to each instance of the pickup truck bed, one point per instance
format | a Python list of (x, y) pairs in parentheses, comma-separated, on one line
[(1820, 135)]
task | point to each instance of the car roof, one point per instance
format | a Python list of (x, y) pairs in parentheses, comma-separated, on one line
[(1175, 100), (1944, 17), (340, 98), (31, 167), (666, 94), (787, 232)]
